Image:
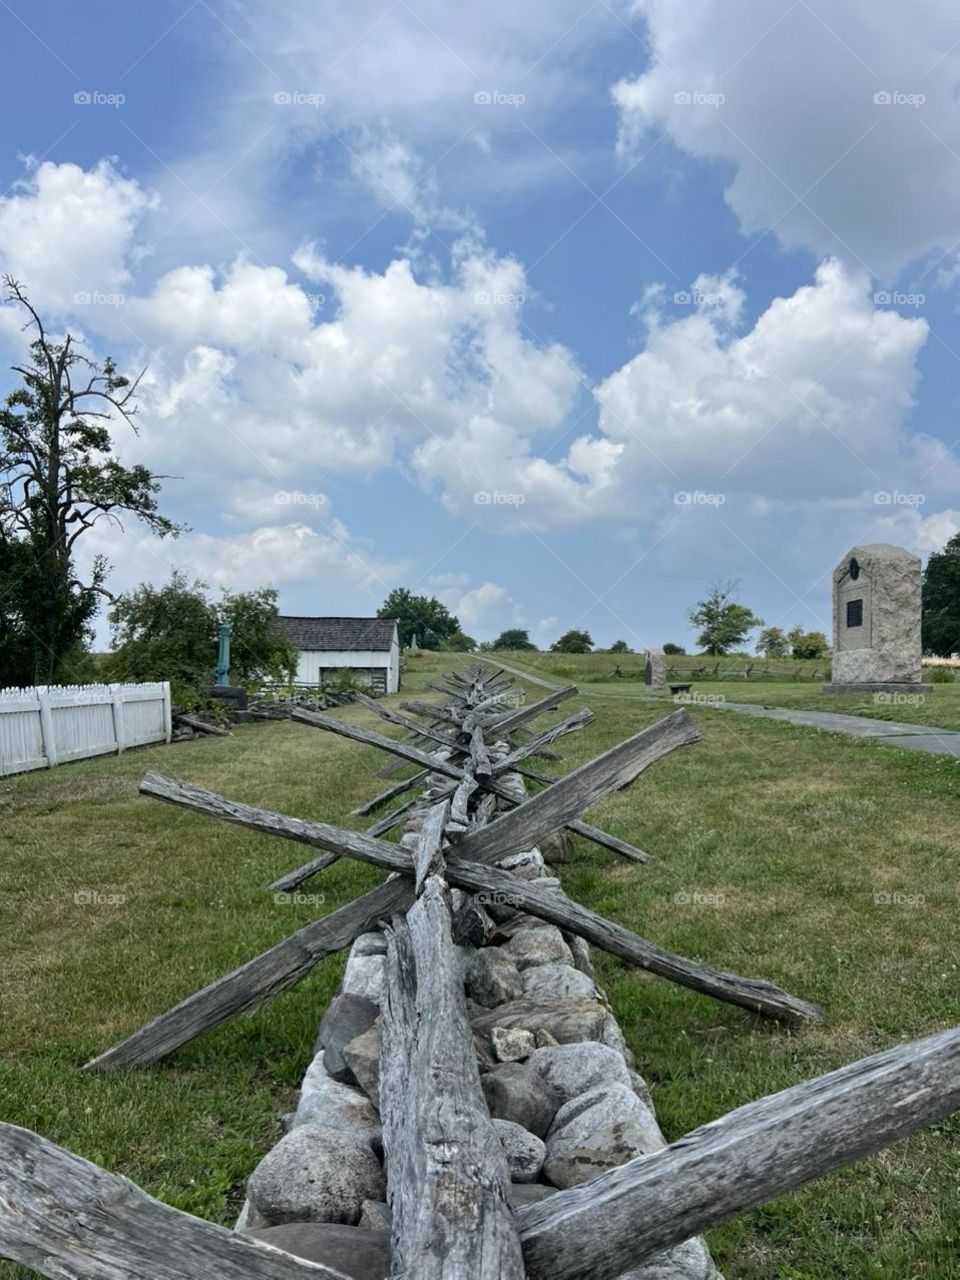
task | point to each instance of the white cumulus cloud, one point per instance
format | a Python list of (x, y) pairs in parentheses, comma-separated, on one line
[(837, 124)]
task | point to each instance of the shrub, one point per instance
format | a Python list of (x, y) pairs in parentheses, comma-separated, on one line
[(938, 675)]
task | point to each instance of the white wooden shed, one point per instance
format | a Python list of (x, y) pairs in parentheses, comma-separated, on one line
[(368, 647)]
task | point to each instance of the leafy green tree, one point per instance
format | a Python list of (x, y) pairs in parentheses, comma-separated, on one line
[(514, 638), (672, 648), (259, 651), (19, 584), (422, 616), (941, 601), (724, 623), (807, 644), (573, 642), (619, 646), (171, 633), (165, 633), (460, 643), (773, 643), (58, 478), (810, 645)]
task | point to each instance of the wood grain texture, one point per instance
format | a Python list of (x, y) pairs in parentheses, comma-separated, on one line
[(755, 994), (418, 730), (565, 800), (607, 841), (402, 749), (461, 799), (510, 720), (533, 745), (586, 786), (480, 762), (447, 1177), (293, 879), (431, 710), (622, 1218), (428, 855), (71, 1220)]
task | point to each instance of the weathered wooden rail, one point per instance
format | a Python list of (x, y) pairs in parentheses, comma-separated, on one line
[(447, 1181)]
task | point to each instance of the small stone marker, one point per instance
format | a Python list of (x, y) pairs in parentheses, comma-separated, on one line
[(876, 620), (655, 672)]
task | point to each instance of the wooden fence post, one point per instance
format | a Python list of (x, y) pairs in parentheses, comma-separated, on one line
[(46, 726), (119, 729)]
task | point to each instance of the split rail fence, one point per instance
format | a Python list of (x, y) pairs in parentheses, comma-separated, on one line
[(64, 1216)]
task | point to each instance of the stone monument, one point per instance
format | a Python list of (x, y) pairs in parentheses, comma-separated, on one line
[(876, 621), (655, 672)]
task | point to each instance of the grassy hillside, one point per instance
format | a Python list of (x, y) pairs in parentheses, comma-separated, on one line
[(589, 668)]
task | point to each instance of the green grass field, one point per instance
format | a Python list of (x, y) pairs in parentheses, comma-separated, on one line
[(772, 844), (939, 706), (592, 668)]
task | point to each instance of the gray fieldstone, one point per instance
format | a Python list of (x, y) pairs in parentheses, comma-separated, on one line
[(613, 1036), (600, 1130), (347, 1017), (514, 1092), (557, 848), (571, 1070), (493, 977), (356, 1253), (524, 1150), (512, 1044), (524, 1193), (328, 1102), (687, 1261), (315, 1174), (363, 976), (362, 1056), (369, 944), (543, 1039), (471, 923), (375, 1215), (556, 982), (541, 945), (500, 912), (568, 1021), (580, 950), (641, 1089), (528, 865)]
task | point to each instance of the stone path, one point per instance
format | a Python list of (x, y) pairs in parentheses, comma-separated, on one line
[(913, 737)]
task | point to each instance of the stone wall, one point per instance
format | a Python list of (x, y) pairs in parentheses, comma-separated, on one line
[(557, 1075)]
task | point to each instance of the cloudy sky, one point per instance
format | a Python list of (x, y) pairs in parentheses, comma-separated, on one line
[(559, 311)]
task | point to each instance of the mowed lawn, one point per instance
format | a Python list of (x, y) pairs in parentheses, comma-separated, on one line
[(827, 865)]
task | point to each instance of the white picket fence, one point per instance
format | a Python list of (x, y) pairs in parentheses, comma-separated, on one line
[(51, 724)]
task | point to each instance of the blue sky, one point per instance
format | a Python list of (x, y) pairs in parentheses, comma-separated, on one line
[(561, 312)]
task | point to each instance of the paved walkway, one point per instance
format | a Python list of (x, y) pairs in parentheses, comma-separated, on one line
[(913, 737)]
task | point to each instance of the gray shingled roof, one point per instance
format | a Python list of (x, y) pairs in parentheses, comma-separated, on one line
[(343, 634)]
